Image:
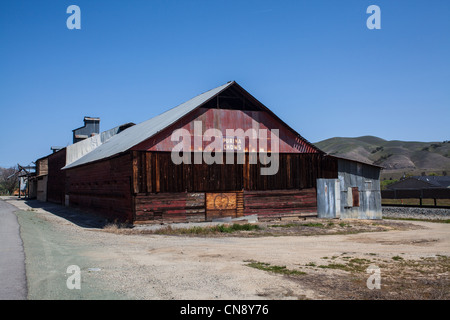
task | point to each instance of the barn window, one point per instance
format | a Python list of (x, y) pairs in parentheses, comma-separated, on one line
[(352, 197), (355, 196)]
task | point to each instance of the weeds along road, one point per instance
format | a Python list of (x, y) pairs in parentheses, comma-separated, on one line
[(163, 267)]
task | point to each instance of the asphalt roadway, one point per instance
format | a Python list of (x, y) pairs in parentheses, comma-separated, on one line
[(13, 282)]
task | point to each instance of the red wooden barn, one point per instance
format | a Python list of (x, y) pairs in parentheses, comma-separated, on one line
[(133, 177)]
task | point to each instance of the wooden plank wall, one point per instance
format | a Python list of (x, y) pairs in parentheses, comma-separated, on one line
[(165, 192), (42, 167), (56, 183), (275, 203), (155, 172), (170, 207), (103, 188), (196, 207)]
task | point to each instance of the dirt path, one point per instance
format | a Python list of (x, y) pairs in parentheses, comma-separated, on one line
[(181, 267)]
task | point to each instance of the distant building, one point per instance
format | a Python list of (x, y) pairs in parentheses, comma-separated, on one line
[(51, 179), (421, 182), (41, 178), (91, 128)]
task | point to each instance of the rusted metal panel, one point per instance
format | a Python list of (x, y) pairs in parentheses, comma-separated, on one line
[(355, 196), (328, 198), (224, 120)]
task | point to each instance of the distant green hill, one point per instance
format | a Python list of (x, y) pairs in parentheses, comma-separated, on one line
[(397, 157)]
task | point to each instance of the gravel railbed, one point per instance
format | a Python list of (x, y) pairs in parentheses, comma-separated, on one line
[(416, 213)]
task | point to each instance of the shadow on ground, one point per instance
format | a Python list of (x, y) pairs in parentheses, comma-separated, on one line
[(80, 218)]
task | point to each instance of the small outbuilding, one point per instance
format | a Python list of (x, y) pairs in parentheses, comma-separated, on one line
[(354, 194)]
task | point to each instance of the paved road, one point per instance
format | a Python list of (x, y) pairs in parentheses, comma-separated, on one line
[(13, 282)]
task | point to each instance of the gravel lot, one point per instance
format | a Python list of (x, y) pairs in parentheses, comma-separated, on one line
[(416, 213), (150, 266)]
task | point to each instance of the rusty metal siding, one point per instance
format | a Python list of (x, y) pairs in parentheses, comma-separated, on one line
[(363, 182), (328, 198), (223, 119)]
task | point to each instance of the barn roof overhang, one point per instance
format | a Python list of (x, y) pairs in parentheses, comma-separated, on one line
[(357, 161)]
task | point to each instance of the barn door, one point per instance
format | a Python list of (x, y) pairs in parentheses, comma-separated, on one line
[(224, 204), (328, 198)]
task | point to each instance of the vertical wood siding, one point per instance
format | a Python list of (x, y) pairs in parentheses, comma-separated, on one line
[(56, 183), (103, 188), (155, 172), (165, 192)]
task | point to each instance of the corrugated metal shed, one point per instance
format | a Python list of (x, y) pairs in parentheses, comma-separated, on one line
[(354, 194)]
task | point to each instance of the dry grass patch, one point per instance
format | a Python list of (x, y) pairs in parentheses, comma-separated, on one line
[(313, 227), (401, 279)]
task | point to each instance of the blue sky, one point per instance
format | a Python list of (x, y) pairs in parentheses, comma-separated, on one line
[(314, 63)]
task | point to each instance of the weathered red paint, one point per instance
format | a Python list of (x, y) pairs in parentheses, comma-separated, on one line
[(56, 183), (222, 120), (103, 188)]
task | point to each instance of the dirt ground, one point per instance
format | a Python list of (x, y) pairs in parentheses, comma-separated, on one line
[(310, 259)]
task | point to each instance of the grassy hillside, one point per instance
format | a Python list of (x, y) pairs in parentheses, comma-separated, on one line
[(397, 157)]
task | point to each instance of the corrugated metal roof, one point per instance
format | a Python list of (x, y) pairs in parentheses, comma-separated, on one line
[(437, 181), (144, 130), (359, 161), (79, 149)]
